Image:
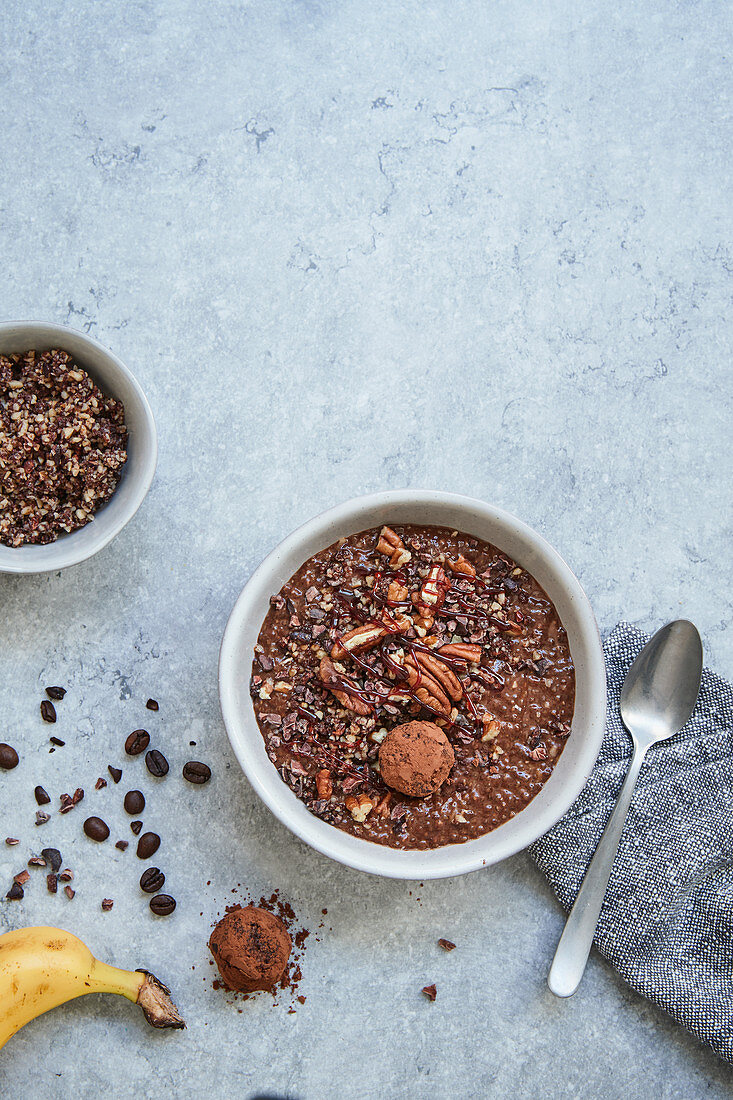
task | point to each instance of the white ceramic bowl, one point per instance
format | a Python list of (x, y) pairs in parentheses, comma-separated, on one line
[(528, 549), (114, 379)]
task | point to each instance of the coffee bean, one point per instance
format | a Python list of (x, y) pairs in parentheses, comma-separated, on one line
[(96, 829), (48, 711), (152, 880), (137, 742), (8, 757), (152, 704), (148, 845), (156, 763), (42, 797), (56, 693), (15, 893), (136, 827), (196, 772), (116, 773), (134, 802), (52, 857), (162, 905)]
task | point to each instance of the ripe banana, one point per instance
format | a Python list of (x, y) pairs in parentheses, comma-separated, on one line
[(44, 967)]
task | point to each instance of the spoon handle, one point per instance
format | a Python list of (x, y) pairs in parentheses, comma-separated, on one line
[(577, 938)]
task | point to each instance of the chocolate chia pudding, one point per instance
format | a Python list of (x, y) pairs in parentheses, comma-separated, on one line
[(413, 686)]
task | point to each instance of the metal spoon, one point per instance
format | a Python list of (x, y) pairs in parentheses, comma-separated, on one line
[(659, 695)]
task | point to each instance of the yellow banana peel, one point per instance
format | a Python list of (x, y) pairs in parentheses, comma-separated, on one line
[(44, 967)]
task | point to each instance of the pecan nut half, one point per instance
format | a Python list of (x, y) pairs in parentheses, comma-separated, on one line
[(395, 622), (397, 593), (324, 783), (434, 589), (445, 676), (340, 686), (362, 637), (491, 727), (392, 545), (382, 807), (462, 651), (359, 806), (461, 566), (427, 689)]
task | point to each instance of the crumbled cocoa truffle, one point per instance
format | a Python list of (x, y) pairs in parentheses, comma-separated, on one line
[(415, 758), (251, 948)]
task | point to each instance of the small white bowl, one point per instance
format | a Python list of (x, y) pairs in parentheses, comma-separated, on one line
[(114, 379), (529, 550)]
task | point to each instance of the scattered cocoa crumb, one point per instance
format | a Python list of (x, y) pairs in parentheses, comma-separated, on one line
[(447, 945), (152, 704), (100, 783), (11, 840), (68, 801), (52, 883), (15, 893), (42, 817), (48, 711), (430, 991), (71, 894), (55, 693), (21, 878), (123, 845), (107, 904), (57, 741), (116, 773), (66, 875)]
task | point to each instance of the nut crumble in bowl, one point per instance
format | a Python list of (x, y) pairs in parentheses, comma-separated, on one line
[(413, 686), (63, 444)]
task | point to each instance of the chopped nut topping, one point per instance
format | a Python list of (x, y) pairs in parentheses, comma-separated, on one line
[(359, 807), (63, 444)]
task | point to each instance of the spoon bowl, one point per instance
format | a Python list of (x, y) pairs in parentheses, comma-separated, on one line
[(661, 687)]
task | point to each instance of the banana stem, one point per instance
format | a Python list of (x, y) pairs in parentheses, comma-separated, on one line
[(142, 988)]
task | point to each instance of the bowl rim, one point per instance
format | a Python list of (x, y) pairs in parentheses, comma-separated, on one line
[(366, 854), (63, 548)]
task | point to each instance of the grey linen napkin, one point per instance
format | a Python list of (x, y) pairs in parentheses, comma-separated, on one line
[(667, 921)]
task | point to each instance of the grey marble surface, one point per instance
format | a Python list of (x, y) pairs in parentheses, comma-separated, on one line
[(481, 247)]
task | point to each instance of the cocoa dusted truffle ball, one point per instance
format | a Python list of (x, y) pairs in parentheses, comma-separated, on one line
[(415, 758), (251, 948)]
